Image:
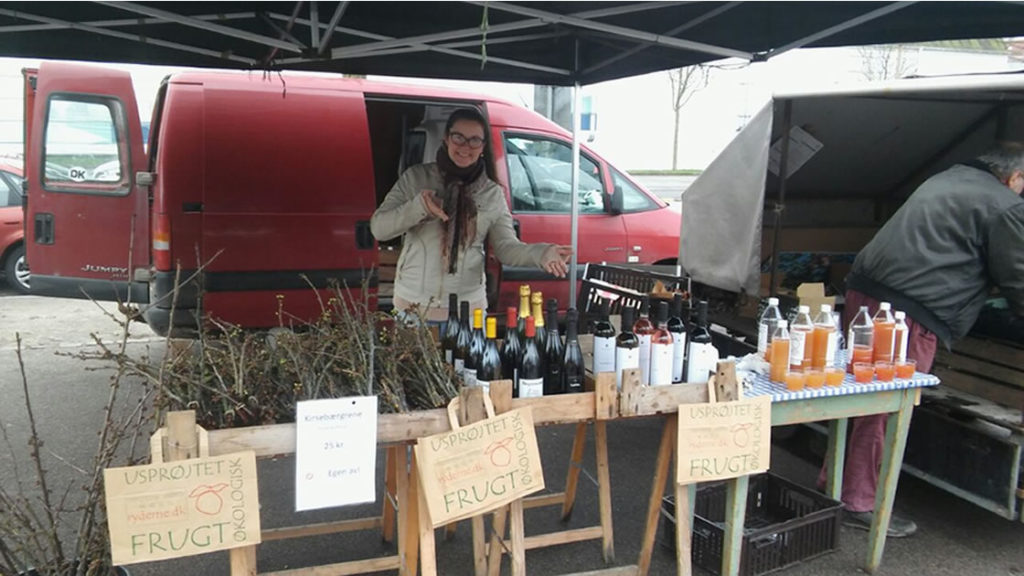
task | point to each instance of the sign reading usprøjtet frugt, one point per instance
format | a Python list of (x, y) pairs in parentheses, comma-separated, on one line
[(182, 508), (479, 467)]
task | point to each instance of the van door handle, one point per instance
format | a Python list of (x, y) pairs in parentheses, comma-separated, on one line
[(515, 227), (43, 228), (364, 238), (613, 249)]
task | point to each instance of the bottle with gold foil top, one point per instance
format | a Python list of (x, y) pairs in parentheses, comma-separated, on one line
[(537, 311), (476, 350), (524, 307), (489, 369)]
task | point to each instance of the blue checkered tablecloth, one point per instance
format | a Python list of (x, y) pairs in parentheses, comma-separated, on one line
[(759, 385)]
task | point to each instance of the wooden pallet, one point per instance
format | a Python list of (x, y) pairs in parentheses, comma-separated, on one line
[(985, 367)]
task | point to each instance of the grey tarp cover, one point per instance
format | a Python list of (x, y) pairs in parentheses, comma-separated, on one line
[(720, 239)]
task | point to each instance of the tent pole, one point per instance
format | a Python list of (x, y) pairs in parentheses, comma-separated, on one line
[(575, 199), (780, 205)]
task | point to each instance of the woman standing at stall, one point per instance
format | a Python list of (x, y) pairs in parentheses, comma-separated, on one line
[(445, 211)]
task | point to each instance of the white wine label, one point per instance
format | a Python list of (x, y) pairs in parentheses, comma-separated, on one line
[(678, 356), (661, 364), (703, 361), (469, 376), (604, 355), (531, 387), (484, 384), (448, 356), (625, 359), (645, 358), (460, 367)]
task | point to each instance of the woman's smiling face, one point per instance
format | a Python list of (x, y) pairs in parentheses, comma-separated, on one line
[(465, 142)]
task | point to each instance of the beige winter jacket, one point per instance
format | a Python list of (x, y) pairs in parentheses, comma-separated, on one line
[(420, 278)]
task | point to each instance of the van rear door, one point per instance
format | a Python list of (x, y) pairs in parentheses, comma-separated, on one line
[(87, 223)]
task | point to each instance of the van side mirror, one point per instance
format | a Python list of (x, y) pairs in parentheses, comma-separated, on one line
[(615, 206)]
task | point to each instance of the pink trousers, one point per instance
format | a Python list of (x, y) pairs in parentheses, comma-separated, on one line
[(866, 436)]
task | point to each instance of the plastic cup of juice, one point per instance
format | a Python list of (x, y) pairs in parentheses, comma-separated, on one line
[(795, 380), (834, 376), (885, 371), (814, 378), (905, 369), (863, 372)]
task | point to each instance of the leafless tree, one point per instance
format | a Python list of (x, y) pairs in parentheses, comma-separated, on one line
[(886, 61), (685, 83)]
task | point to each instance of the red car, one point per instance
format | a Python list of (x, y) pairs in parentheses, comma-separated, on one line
[(12, 228)]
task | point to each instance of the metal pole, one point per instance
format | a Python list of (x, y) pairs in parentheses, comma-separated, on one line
[(575, 198), (780, 205)]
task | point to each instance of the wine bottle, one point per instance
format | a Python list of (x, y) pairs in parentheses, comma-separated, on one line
[(553, 353), (627, 346), (512, 348), (661, 349), (451, 330), (677, 327), (643, 328), (537, 305), (604, 342), (463, 343), (531, 369), (703, 356), (490, 362), (524, 307), (476, 349), (572, 360)]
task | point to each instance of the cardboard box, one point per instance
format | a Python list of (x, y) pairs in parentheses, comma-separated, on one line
[(812, 294)]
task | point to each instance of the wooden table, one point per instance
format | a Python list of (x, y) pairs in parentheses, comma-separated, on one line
[(833, 404)]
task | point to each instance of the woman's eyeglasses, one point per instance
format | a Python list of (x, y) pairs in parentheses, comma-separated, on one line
[(460, 139)]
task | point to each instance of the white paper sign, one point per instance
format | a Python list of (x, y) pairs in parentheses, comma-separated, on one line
[(335, 452), (802, 146)]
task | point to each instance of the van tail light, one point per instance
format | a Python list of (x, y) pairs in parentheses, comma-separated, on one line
[(162, 242)]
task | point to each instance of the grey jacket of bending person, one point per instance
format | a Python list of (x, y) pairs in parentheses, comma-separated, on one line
[(420, 276), (937, 258)]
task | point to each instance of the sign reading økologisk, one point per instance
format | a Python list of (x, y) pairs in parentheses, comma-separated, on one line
[(723, 440), (335, 452), (182, 508), (479, 467)]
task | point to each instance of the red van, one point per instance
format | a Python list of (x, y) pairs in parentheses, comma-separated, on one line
[(257, 187)]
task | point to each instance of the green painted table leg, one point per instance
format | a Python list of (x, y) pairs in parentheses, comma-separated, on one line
[(892, 459), (735, 516), (835, 458)]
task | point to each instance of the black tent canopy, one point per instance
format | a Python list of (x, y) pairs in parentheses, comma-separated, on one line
[(559, 43)]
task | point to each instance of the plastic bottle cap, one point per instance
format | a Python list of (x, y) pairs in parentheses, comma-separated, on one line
[(803, 309), (773, 301), (783, 324), (884, 306), (900, 314), (826, 309)]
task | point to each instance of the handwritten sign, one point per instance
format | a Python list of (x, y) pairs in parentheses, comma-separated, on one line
[(479, 467), (335, 452), (723, 440), (182, 508)]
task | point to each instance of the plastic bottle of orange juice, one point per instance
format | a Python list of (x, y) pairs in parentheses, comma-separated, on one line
[(801, 344), (824, 338), (901, 332), (885, 324), (779, 352), (860, 339)]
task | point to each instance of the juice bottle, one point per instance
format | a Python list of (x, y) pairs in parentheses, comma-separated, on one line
[(779, 351), (860, 340), (801, 344), (901, 333), (766, 327), (885, 324), (824, 338)]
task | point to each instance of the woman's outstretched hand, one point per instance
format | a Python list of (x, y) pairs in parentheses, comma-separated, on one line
[(433, 206), (556, 260)]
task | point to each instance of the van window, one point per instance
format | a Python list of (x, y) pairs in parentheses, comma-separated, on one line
[(633, 199), (8, 196), (540, 175), (85, 149)]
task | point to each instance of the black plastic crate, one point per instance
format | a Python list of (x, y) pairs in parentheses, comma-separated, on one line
[(785, 524)]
